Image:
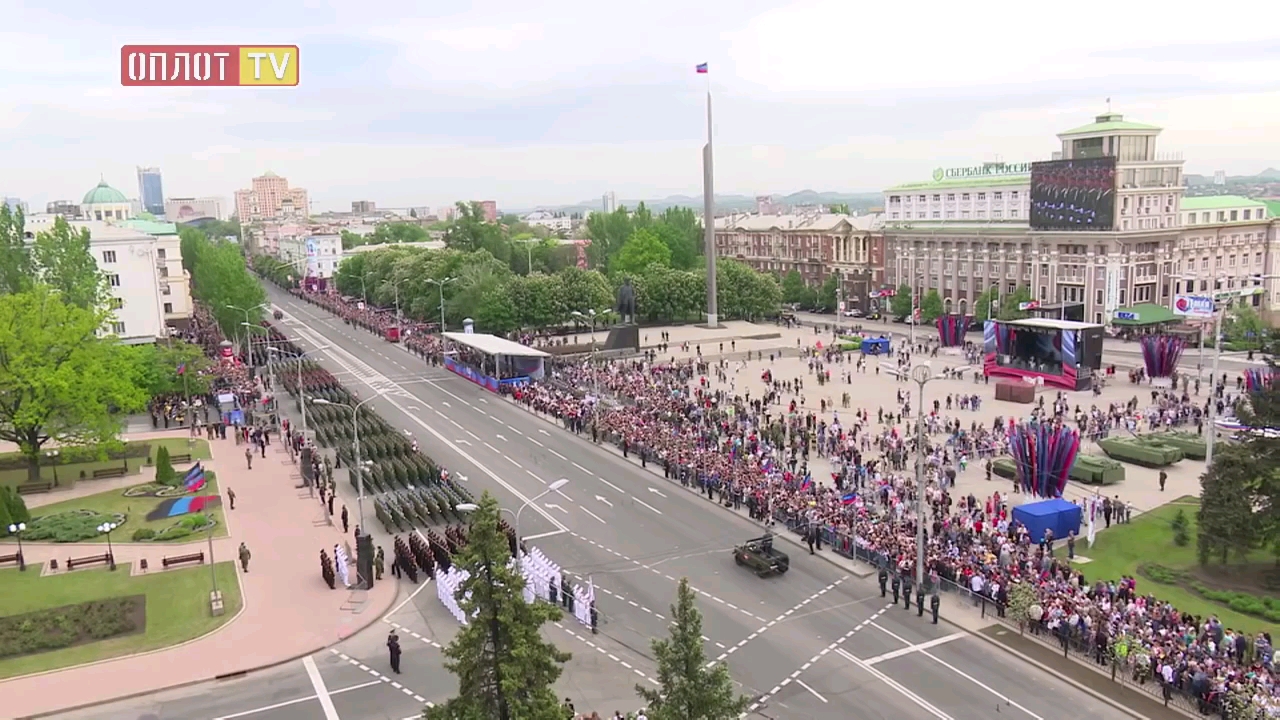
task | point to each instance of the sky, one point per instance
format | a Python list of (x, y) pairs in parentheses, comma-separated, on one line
[(558, 102)]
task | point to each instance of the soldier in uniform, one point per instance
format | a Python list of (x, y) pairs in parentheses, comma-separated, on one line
[(884, 580), (897, 587), (906, 592), (934, 602), (920, 602), (393, 648)]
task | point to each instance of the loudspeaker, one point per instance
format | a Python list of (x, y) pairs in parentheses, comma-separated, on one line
[(364, 559)]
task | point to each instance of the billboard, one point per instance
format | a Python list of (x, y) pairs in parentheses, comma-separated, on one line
[(1196, 306), (1074, 194)]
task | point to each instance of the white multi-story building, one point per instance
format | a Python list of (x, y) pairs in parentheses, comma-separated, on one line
[(323, 253), (608, 202), (104, 203), (969, 230), (149, 288), (549, 220)]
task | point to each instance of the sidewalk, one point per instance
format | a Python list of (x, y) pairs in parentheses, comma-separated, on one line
[(288, 610)]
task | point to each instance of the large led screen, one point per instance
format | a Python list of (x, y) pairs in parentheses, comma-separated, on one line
[(1074, 194)]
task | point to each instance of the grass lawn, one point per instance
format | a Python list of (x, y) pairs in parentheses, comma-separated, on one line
[(135, 510), (177, 609), (68, 474), (1149, 539)]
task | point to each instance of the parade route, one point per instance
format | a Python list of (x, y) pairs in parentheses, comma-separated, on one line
[(634, 535)]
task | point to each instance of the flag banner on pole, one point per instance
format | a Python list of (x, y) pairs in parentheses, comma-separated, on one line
[(702, 68), (182, 368)]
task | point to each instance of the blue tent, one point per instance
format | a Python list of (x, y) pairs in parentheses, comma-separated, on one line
[(879, 346), (1059, 515)]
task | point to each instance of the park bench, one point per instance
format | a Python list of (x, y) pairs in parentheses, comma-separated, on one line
[(14, 558), (111, 472), (36, 487), (73, 563), (180, 459), (197, 557)]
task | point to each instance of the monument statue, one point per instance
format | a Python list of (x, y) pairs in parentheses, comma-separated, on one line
[(626, 306)]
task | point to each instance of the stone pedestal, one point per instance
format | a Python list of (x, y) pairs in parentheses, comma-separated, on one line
[(623, 337), (215, 603)]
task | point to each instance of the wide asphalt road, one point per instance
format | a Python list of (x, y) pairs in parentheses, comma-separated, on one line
[(815, 643)]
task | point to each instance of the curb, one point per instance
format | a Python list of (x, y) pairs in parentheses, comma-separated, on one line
[(832, 561)]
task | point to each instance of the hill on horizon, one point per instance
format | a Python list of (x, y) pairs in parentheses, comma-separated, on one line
[(859, 202)]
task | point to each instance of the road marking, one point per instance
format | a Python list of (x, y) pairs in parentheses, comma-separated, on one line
[(657, 492), (463, 442), (615, 487), (445, 403), (503, 439), (539, 536), (473, 435), (924, 704), (295, 701), (602, 522), (544, 432), (513, 462), (407, 631), (775, 621), (633, 497), (535, 442), (604, 500), (455, 424), (322, 692), (833, 647), (486, 402), (604, 652), (581, 468), (806, 687), (913, 648), (412, 595), (356, 663), (553, 506), (960, 672), (553, 452)]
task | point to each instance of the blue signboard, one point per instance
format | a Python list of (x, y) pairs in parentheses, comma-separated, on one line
[(1126, 315)]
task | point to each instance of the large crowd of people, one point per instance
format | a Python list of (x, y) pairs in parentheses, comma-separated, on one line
[(754, 451)]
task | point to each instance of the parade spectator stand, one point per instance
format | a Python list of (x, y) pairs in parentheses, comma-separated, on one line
[(492, 362), (1056, 514)]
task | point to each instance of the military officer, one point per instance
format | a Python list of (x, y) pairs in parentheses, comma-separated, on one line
[(884, 580)]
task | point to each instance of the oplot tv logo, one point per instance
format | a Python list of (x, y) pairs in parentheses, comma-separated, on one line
[(209, 65)]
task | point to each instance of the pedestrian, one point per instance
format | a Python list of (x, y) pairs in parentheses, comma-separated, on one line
[(345, 518), (330, 502), (244, 557), (378, 560), (1164, 477), (393, 650), (248, 457), (231, 497)]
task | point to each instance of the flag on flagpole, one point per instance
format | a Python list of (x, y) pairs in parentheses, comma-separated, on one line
[(702, 68), (849, 499), (182, 368)]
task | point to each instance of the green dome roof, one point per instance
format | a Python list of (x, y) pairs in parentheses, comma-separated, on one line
[(103, 193)]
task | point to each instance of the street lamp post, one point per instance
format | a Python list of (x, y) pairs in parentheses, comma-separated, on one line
[(355, 426), (246, 312), (52, 455), (553, 487), (590, 317), (922, 374), (16, 530), (440, 284), (107, 527)]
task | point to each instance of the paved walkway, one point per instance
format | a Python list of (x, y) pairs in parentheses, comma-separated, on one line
[(288, 610)]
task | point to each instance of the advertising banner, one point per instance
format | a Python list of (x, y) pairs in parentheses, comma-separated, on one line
[(1197, 306)]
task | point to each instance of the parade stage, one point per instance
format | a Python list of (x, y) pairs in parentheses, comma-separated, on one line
[(1058, 353)]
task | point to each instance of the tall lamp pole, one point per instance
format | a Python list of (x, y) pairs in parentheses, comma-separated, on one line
[(553, 487), (355, 426), (246, 312), (440, 284), (16, 530)]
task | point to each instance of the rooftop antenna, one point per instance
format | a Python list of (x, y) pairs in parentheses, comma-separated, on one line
[(1108, 106)]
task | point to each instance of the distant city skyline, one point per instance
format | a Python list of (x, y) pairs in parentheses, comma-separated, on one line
[(407, 108)]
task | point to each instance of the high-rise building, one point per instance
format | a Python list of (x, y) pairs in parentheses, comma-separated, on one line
[(269, 197), (363, 207), (65, 208), (151, 190), (1220, 177), (15, 204), (490, 210), (609, 202)]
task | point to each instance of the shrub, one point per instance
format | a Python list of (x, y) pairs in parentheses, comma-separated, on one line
[(142, 534), (61, 627), (1181, 536), (68, 527), (165, 474)]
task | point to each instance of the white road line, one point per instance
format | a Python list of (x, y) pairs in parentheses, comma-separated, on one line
[(777, 620), (615, 487), (386, 680), (553, 452), (491, 447), (295, 701), (806, 687), (913, 648), (513, 462), (445, 403), (486, 402), (960, 672), (633, 497), (539, 536), (535, 442), (322, 693), (581, 468), (602, 522), (544, 432), (924, 704), (455, 424), (412, 595), (477, 437)]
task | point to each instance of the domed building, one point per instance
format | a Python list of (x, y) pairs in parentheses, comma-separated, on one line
[(105, 203)]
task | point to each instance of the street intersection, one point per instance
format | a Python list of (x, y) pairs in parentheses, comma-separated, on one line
[(819, 642)]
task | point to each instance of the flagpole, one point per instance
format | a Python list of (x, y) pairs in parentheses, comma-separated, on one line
[(709, 219)]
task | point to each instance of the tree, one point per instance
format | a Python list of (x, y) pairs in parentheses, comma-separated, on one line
[(681, 230), (1243, 324), (1010, 304), (643, 249), (165, 474), (505, 668), (470, 232), (981, 308), (838, 209), (1227, 524), (350, 239), (155, 368), (13, 509), (827, 296), (793, 288), (608, 233), (689, 689), (900, 304), (64, 262), (15, 256), (59, 380), (221, 280), (931, 307), (397, 232)]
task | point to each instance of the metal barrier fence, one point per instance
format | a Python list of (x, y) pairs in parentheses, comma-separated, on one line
[(1072, 643)]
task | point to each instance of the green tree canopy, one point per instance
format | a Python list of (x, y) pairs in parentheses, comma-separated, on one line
[(981, 308), (681, 230), (644, 248), (1010, 304), (59, 380), (608, 233), (396, 232), (827, 296), (793, 287), (221, 280), (931, 307), (689, 689), (470, 232), (15, 257), (155, 368), (59, 257), (900, 304), (505, 668)]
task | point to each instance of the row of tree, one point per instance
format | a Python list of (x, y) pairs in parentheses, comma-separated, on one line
[(506, 669), (221, 281), (475, 284)]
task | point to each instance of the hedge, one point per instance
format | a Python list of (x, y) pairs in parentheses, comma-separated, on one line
[(78, 455)]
